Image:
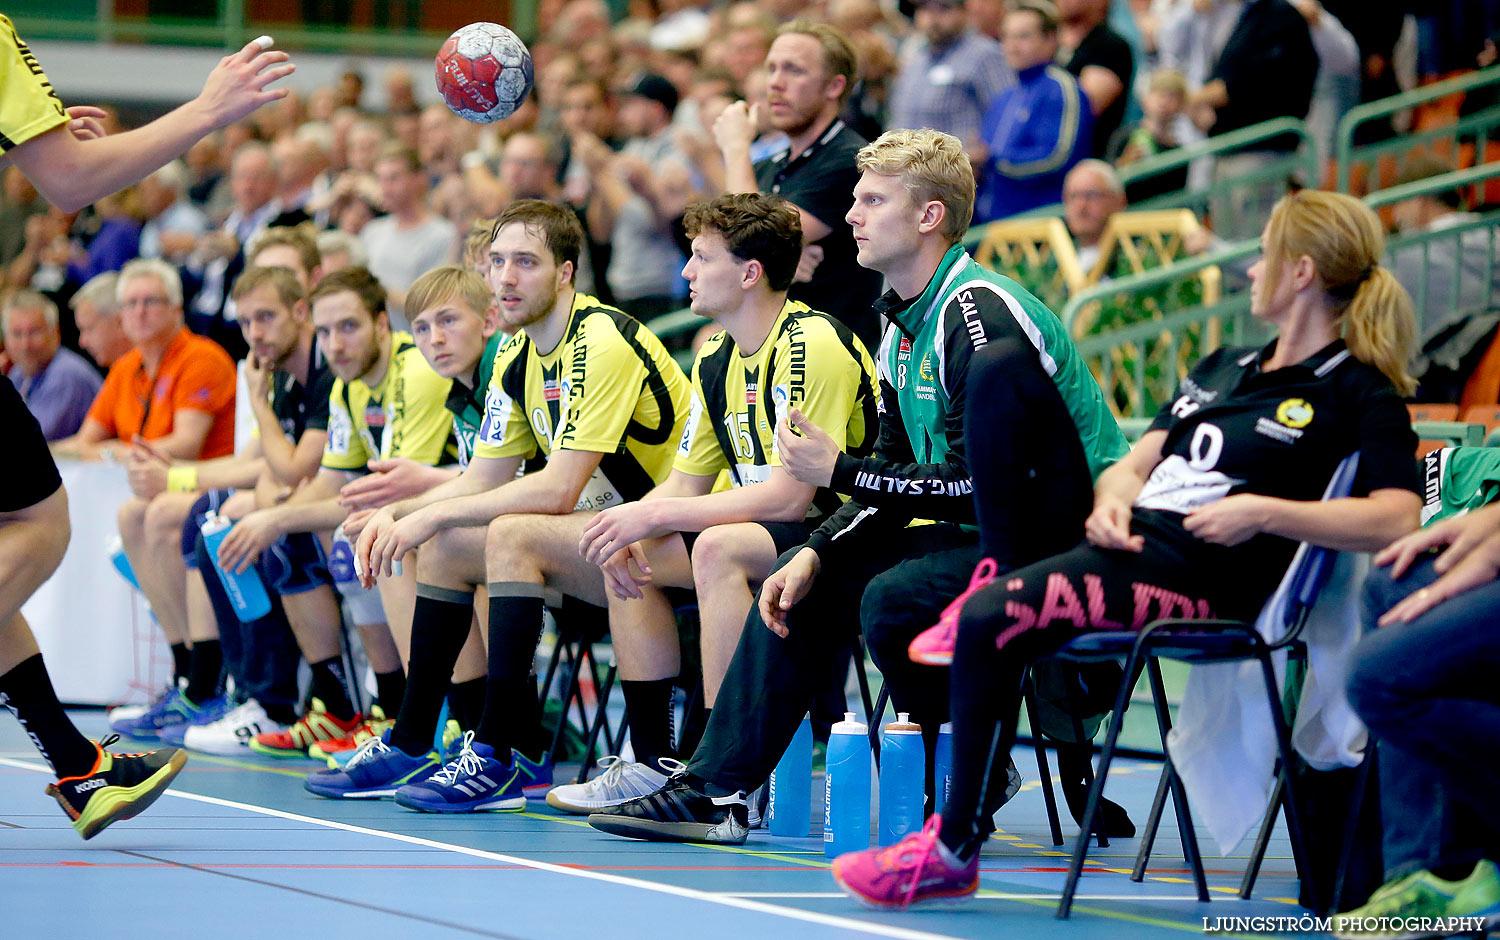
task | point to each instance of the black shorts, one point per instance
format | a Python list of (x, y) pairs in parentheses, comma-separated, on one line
[(32, 472), (786, 535), (295, 564)]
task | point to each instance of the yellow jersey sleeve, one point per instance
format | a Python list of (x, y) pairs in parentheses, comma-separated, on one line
[(505, 431), (345, 448), (823, 379), (602, 389), (420, 424), (28, 105), (698, 452)]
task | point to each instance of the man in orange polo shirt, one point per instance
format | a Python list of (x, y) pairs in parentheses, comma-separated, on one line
[(173, 388)]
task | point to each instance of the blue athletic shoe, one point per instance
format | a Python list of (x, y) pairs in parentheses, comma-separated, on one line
[(536, 779), (376, 770), (472, 782), (184, 715), (148, 724)]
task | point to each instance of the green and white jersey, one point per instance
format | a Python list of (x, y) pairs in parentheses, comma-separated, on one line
[(919, 470)]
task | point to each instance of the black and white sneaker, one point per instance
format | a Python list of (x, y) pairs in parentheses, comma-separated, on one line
[(678, 812)]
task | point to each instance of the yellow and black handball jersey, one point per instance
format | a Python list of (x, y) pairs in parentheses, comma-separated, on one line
[(809, 361), (28, 105), (406, 415), (609, 387)]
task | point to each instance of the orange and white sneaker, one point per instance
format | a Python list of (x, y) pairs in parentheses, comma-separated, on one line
[(118, 787), (312, 728), (934, 646), (372, 727)]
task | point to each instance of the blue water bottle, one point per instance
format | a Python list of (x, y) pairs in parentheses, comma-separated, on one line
[(903, 773), (790, 806), (121, 561), (246, 593), (846, 813), (942, 767)]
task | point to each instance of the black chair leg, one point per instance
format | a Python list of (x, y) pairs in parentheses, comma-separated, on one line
[(873, 712), (1153, 823), (1088, 772), (1290, 804), (552, 662), (1044, 771), (598, 724), (1185, 829), (1096, 792), (1263, 838), (1351, 825), (574, 667)]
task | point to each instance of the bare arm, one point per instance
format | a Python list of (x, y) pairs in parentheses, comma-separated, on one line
[(290, 463), (779, 499), (1101, 86), (85, 444), (189, 430), (71, 173), (1355, 524), (553, 490), (481, 475)]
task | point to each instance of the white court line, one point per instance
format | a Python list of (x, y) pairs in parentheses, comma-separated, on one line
[(812, 917)]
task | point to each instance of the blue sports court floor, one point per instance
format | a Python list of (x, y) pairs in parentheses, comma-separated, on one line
[(237, 849)]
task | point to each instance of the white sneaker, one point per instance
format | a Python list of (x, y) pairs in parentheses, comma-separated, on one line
[(233, 733), (753, 803), (621, 782)]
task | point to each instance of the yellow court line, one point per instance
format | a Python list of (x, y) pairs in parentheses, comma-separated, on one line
[(243, 765)]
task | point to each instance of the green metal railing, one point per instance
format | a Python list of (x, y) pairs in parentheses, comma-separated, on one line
[(1479, 125), (1463, 256), (1301, 164), (1457, 179)]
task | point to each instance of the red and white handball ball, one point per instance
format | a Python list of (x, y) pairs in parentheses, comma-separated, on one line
[(484, 72)]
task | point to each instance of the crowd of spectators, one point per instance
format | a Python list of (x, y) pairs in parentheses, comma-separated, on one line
[(631, 120)]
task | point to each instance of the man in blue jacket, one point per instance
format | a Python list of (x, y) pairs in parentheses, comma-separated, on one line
[(1035, 130)]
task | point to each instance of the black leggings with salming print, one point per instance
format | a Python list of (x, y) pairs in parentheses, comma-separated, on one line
[(1033, 611)]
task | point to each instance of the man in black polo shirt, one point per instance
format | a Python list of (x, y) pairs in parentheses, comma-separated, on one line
[(811, 70), (1101, 61)]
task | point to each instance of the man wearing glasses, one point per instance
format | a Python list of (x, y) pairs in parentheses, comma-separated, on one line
[(174, 389)]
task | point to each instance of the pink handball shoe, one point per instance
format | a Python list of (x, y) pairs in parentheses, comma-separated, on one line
[(934, 646), (916, 870)]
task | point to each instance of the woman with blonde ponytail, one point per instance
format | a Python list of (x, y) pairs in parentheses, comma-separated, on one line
[(1199, 520)]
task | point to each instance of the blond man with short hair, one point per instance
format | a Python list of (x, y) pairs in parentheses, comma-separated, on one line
[(957, 336)]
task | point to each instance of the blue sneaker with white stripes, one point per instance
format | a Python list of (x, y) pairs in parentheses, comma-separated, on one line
[(470, 783), (376, 770)]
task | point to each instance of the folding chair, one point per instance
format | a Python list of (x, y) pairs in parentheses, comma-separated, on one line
[(874, 712), (1206, 641), (579, 627)]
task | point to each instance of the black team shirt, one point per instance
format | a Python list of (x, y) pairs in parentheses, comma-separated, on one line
[(820, 182)]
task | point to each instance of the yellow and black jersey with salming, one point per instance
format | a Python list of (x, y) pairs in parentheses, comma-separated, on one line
[(808, 361), (28, 105), (405, 415), (609, 387)]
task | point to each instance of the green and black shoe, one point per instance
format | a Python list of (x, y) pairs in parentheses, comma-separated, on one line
[(120, 786)]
